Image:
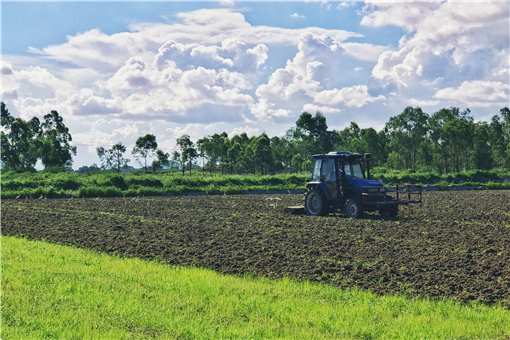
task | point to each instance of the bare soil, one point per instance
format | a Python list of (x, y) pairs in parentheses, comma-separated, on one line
[(454, 244)]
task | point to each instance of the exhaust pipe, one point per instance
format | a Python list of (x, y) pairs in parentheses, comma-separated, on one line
[(367, 159)]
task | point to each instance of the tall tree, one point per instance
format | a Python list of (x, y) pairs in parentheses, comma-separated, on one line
[(185, 145), (113, 158), (407, 132), (451, 132), (262, 153), (313, 133), (144, 147), (56, 150), (162, 160), (20, 143)]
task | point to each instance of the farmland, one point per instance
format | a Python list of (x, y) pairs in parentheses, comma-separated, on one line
[(453, 245)]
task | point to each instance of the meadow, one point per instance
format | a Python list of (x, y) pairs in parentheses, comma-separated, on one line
[(51, 291)]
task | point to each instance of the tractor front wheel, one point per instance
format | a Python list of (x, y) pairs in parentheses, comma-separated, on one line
[(353, 209), (316, 203)]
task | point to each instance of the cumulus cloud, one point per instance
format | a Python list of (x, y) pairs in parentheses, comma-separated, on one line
[(416, 102), (207, 27), (446, 40), (354, 96), (232, 54), (297, 16), (477, 93), (250, 131), (307, 76), (317, 58), (311, 108)]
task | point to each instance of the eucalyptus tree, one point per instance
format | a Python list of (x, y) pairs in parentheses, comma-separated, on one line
[(144, 147), (21, 141), (113, 158)]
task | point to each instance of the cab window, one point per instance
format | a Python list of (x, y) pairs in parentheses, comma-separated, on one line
[(328, 169), (316, 174)]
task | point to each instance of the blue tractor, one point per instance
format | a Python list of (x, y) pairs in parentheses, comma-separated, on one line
[(339, 182)]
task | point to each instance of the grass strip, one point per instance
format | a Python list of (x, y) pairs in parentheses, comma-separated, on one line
[(53, 291)]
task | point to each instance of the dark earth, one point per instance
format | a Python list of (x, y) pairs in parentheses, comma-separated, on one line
[(454, 244)]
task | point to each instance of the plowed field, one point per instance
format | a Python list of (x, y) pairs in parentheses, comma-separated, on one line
[(454, 244)]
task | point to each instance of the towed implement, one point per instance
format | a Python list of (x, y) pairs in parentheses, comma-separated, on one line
[(339, 182)]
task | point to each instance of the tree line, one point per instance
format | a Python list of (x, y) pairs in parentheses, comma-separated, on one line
[(446, 141)]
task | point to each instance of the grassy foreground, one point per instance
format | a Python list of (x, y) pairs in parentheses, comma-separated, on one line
[(52, 291)]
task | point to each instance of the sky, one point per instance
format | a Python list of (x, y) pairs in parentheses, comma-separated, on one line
[(116, 71)]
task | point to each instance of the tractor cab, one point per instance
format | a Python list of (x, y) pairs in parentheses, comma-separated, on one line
[(341, 173)]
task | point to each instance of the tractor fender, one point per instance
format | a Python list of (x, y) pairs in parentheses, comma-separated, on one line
[(317, 184)]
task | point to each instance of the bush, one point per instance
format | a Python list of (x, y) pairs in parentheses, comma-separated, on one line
[(118, 182), (442, 186), (56, 169), (67, 184), (145, 182)]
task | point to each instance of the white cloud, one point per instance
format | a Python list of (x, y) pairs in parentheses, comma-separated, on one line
[(317, 58), (354, 96), (297, 16), (310, 108), (365, 52), (250, 131), (416, 102), (477, 93), (233, 55), (209, 27), (345, 4), (445, 39)]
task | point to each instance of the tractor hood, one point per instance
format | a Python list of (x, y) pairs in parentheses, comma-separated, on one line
[(358, 182)]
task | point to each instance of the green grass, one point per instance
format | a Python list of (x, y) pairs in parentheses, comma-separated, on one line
[(55, 292), (135, 183), (109, 184)]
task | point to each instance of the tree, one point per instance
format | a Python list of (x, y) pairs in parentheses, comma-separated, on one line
[(20, 143), (55, 149), (113, 158), (262, 153), (86, 169), (407, 131), (452, 133), (162, 159), (145, 146), (176, 157), (188, 152), (482, 157)]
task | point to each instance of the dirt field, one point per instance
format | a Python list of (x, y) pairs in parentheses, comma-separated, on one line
[(454, 244)]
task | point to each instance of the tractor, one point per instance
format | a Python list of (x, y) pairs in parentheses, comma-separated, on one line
[(339, 182)]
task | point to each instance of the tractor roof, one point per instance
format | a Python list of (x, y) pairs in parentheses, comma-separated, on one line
[(339, 154)]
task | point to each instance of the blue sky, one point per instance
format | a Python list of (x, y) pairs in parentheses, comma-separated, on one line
[(118, 70)]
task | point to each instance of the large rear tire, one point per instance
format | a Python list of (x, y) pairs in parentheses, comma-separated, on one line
[(316, 203), (353, 209)]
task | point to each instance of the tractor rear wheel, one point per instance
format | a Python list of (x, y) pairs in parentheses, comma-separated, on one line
[(316, 204), (353, 209)]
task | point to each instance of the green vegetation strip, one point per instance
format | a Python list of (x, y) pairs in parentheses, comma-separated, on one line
[(52, 291), (108, 184)]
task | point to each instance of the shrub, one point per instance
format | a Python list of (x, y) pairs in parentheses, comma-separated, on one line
[(67, 183), (118, 182), (443, 185), (145, 182)]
